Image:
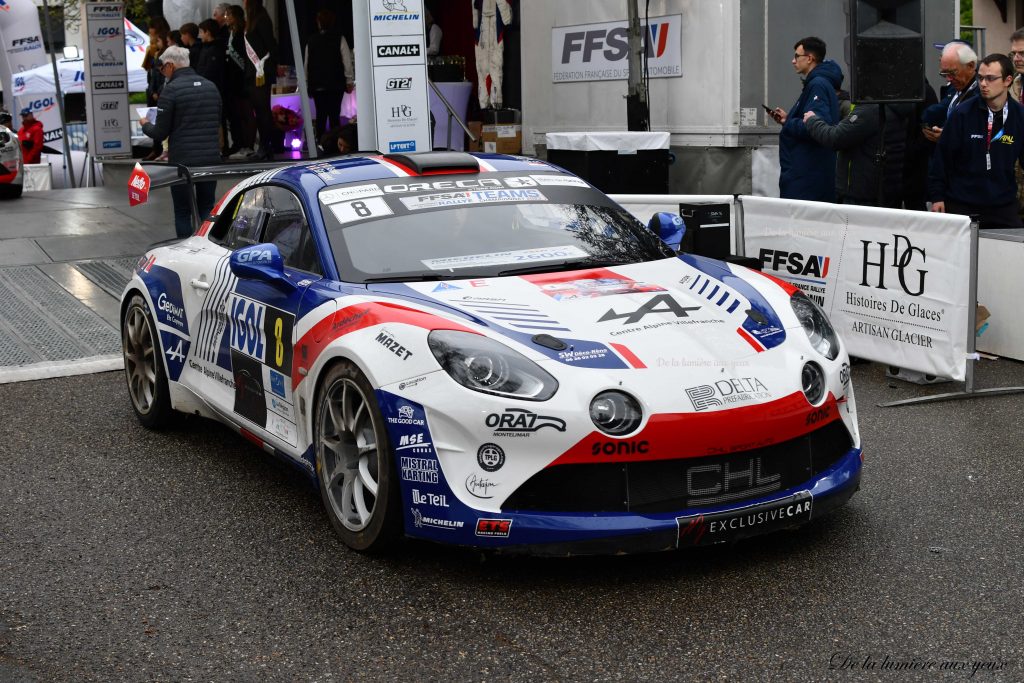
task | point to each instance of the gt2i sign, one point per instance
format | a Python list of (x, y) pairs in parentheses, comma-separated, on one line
[(598, 52)]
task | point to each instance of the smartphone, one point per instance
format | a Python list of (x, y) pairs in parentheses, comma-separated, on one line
[(771, 112)]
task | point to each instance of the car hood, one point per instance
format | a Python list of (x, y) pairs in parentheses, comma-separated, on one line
[(667, 313)]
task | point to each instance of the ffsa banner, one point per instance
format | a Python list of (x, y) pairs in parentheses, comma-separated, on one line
[(599, 52), (23, 50), (895, 284)]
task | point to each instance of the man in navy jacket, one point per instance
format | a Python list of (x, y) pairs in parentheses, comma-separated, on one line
[(807, 168), (972, 170)]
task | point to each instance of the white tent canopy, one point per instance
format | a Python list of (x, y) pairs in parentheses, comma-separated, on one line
[(39, 81)]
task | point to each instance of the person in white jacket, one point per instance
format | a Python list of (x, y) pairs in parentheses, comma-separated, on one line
[(490, 17)]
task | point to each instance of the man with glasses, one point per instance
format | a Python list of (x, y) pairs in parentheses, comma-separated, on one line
[(807, 168), (957, 65), (189, 115), (972, 170)]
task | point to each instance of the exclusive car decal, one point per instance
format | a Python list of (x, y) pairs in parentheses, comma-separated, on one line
[(707, 433)]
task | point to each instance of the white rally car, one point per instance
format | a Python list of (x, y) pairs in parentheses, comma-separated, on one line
[(12, 172), (485, 350)]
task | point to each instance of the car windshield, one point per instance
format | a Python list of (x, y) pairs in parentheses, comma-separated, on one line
[(480, 233)]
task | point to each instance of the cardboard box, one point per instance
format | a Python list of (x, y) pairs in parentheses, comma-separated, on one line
[(476, 128), (503, 139)]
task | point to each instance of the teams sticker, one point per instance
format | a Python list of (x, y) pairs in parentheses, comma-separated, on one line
[(433, 201), (498, 258)]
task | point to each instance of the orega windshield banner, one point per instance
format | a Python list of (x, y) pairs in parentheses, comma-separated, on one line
[(599, 52)]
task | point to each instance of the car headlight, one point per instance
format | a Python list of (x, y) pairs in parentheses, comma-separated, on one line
[(482, 364), (819, 330), (615, 413)]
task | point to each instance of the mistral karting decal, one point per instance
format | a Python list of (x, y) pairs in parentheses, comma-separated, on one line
[(762, 331)]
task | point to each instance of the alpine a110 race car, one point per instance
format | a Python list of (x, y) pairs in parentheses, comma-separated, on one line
[(12, 173), (485, 350)]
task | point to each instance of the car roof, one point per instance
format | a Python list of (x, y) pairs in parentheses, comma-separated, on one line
[(315, 175)]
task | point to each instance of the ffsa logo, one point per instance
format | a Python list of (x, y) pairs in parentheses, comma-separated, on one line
[(904, 255), (612, 44), (794, 263)]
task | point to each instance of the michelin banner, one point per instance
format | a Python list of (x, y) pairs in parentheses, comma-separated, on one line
[(895, 284)]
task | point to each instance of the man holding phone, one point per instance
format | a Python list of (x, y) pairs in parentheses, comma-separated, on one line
[(807, 168)]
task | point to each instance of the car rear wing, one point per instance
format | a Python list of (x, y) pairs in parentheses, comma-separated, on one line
[(165, 174)]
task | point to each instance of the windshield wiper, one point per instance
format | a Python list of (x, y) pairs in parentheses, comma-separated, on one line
[(414, 278), (564, 265)]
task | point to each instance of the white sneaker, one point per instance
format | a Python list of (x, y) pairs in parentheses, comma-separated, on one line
[(242, 154)]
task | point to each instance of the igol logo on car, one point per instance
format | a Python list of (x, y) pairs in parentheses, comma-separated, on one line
[(521, 422), (490, 457)]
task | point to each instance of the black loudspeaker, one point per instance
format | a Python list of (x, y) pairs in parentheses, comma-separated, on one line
[(886, 51)]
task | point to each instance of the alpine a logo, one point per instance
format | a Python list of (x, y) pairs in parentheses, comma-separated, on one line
[(794, 263), (402, 50), (663, 303)]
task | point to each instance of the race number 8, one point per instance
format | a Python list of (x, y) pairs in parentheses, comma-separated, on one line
[(278, 345), (361, 209)]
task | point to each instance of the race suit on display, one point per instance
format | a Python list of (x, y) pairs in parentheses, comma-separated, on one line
[(490, 17)]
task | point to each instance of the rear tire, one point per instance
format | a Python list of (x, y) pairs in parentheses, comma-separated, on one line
[(144, 366), (355, 462), (11, 191)]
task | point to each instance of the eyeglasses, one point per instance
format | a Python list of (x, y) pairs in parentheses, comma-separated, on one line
[(797, 55), (990, 78), (949, 74), (1016, 53)]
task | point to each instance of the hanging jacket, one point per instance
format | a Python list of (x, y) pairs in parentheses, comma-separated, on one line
[(856, 138), (807, 168)]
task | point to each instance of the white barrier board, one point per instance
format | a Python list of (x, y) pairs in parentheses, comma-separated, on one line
[(895, 284)]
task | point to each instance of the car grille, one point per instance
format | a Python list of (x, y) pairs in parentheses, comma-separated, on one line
[(674, 485)]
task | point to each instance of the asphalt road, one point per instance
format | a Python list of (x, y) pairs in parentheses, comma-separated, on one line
[(191, 555)]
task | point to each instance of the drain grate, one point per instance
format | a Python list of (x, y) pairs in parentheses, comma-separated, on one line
[(111, 275), (41, 321)]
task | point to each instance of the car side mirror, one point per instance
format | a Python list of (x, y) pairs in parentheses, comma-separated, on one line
[(261, 262), (669, 227)]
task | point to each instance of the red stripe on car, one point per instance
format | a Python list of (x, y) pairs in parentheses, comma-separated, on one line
[(671, 436)]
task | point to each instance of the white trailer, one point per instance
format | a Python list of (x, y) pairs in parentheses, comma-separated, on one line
[(734, 56)]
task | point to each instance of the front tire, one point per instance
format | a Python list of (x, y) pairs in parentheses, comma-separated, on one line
[(144, 367), (355, 462), (10, 191)]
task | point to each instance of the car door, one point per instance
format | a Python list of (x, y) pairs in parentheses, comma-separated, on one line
[(258, 318)]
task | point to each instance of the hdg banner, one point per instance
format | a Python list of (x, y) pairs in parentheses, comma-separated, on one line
[(896, 284)]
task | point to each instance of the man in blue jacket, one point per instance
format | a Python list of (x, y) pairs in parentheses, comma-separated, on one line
[(189, 114), (808, 169), (972, 170)]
